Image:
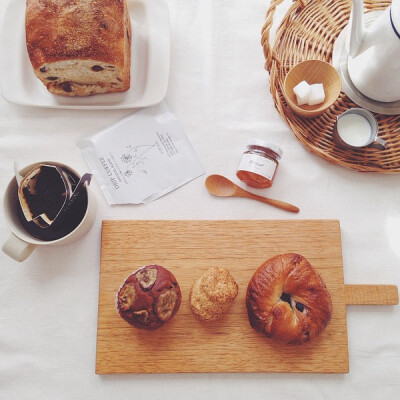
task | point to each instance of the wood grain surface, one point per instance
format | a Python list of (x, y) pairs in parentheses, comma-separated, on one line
[(371, 294), (188, 249)]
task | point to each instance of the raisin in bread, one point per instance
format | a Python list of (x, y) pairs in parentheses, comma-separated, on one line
[(79, 47)]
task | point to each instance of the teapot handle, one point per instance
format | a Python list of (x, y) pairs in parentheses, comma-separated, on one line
[(269, 54)]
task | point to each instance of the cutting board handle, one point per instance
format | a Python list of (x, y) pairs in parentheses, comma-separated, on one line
[(371, 294)]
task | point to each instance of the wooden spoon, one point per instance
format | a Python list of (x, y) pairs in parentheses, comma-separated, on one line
[(220, 186)]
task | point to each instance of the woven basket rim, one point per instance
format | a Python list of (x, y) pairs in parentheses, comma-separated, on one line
[(309, 30)]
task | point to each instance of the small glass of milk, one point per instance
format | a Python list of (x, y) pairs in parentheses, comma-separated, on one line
[(357, 128)]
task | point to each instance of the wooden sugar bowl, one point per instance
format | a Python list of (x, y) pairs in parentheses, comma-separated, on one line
[(312, 71)]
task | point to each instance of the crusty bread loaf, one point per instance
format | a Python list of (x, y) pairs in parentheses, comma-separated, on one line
[(287, 300), (79, 47)]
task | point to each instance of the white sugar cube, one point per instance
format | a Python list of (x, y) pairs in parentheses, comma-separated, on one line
[(302, 91), (317, 94)]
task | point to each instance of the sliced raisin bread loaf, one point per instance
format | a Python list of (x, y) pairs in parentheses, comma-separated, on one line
[(79, 47)]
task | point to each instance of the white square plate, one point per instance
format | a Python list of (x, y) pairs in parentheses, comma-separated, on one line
[(150, 62)]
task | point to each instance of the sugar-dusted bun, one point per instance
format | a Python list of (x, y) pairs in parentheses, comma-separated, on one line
[(287, 300), (212, 294), (149, 297)]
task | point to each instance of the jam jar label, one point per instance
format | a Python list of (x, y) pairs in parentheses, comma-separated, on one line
[(258, 165)]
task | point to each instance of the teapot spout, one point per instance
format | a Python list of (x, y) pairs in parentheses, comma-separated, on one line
[(357, 29)]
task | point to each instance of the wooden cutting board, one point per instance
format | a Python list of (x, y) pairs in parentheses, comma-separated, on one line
[(188, 249)]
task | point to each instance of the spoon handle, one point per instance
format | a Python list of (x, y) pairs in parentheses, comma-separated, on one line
[(275, 203)]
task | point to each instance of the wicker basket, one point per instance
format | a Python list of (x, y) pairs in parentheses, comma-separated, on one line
[(309, 30)]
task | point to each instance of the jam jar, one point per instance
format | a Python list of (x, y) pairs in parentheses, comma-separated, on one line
[(258, 165)]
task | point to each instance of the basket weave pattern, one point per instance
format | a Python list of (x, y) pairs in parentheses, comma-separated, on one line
[(308, 31)]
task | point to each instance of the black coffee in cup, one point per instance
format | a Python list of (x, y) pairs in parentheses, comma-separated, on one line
[(48, 195)]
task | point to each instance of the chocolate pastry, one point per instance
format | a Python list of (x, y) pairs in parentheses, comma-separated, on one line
[(149, 297), (287, 300)]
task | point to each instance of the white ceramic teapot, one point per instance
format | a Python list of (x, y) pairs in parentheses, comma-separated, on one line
[(374, 53)]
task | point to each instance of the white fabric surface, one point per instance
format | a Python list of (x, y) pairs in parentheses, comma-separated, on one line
[(219, 91)]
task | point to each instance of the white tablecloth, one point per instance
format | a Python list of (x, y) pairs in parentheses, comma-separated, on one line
[(219, 91)]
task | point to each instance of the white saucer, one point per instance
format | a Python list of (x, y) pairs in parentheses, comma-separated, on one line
[(339, 61), (150, 62)]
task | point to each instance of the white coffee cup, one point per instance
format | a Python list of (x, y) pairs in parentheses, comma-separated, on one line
[(21, 243)]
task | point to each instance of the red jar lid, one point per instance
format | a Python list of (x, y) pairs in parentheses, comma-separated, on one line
[(267, 145)]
